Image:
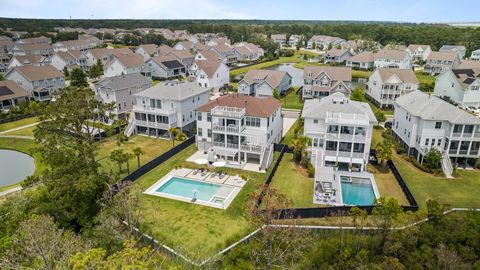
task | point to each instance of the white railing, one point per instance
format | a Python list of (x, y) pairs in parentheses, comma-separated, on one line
[(252, 148), (155, 124), (148, 109), (233, 112)]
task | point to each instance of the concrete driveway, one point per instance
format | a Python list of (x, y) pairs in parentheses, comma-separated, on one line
[(289, 118)]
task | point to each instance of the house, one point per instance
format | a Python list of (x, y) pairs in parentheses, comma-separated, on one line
[(83, 45), (423, 121), (340, 130), (166, 105), (262, 82), (363, 60), (392, 59), (4, 62), (210, 73), (321, 81), (124, 64), (217, 41), (6, 44), (40, 82), (475, 56), (294, 40), (280, 39), (101, 54), (226, 52), (321, 42), (387, 84), (240, 129), (11, 95), (70, 59), (207, 55), (460, 86), (34, 40), (469, 64), (184, 57), (147, 51), (438, 62), (37, 49), (419, 52), (460, 50), (184, 46), (121, 90), (247, 52), (25, 60), (165, 66), (164, 49), (337, 56)]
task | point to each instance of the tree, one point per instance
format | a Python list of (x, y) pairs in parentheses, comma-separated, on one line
[(386, 212), (329, 46), (434, 211), (181, 137), (2, 78), (358, 95), (432, 159), (300, 145), (137, 151), (96, 70), (338, 46), (73, 182), (358, 214), (126, 158), (276, 93), (384, 152), (379, 115), (78, 78), (66, 73), (173, 133), (117, 156)]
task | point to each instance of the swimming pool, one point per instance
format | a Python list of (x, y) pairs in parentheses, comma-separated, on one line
[(357, 191), (189, 190)]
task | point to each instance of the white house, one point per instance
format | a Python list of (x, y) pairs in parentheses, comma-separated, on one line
[(245, 51), (475, 56), (461, 86), (25, 60), (40, 82), (363, 60), (165, 66), (38, 49), (124, 64), (423, 121), (121, 90), (387, 84), (207, 55), (321, 42), (293, 40), (184, 46), (460, 50), (83, 44), (321, 81), (393, 59), (147, 51), (240, 129), (184, 57), (419, 52), (166, 105), (438, 62), (226, 52), (280, 39), (210, 73), (262, 82), (337, 56), (69, 59)]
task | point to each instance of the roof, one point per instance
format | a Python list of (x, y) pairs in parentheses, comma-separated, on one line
[(29, 58), (188, 45), (469, 64), (130, 60), (279, 36), (165, 49), (10, 89), (35, 73), (182, 54), (70, 55), (200, 47), (337, 103), (430, 107), (210, 55), (452, 48), (32, 47), (149, 48), (336, 52), (414, 47), (446, 56), (98, 53), (209, 66), (335, 73), (362, 57), (173, 90), (124, 81), (466, 76), (405, 75), (120, 51), (254, 106), (222, 48), (169, 61), (242, 50), (272, 77), (391, 54), (34, 40)]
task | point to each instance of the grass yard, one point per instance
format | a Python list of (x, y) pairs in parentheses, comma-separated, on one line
[(423, 78), (388, 186), (28, 131), (292, 59), (18, 123), (361, 73), (152, 147), (303, 64), (197, 231), (292, 100)]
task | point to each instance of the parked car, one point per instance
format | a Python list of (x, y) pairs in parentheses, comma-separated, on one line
[(473, 110), (388, 124)]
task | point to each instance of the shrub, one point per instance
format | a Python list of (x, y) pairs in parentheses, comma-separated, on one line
[(310, 169)]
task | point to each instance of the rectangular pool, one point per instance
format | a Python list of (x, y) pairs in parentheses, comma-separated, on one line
[(357, 191)]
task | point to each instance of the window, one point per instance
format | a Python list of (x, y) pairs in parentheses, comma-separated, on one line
[(468, 129), (119, 106), (457, 128), (200, 132), (475, 87), (209, 117), (439, 142), (332, 129), (209, 133), (315, 121), (438, 125), (252, 121), (199, 116), (427, 141), (433, 142)]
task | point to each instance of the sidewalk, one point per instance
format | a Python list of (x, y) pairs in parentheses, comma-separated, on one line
[(18, 128)]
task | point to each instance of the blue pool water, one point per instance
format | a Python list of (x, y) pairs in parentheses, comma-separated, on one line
[(355, 193), (186, 188)]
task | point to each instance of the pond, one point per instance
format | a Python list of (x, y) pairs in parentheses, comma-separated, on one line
[(14, 167), (296, 73)]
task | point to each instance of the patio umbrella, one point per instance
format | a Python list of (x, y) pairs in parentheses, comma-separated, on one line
[(219, 164)]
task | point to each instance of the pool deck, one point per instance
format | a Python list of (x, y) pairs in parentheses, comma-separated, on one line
[(230, 186)]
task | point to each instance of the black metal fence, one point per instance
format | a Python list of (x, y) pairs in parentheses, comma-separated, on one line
[(151, 165), (411, 200), (277, 148)]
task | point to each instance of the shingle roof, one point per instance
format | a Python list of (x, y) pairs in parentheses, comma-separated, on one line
[(430, 107), (279, 36), (469, 64), (32, 47), (413, 47), (165, 60), (149, 48), (209, 66), (173, 90), (362, 57), (405, 75), (254, 106), (466, 76), (336, 52), (222, 48), (29, 59), (131, 60), (210, 55), (124, 81), (335, 73), (446, 56), (35, 73), (182, 54), (391, 54), (272, 77), (98, 53), (10, 89)]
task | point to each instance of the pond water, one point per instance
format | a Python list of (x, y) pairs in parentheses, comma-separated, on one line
[(296, 73), (14, 167)]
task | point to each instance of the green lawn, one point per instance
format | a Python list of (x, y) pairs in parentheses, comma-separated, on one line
[(18, 123), (361, 73), (292, 100), (28, 131), (198, 231), (388, 186), (292, 59), (423, 78), (152, 147)]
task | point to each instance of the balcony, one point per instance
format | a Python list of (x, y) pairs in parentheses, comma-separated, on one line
[(230, 129), (231, 112), (164, 126), (252, 148), (145, 108)]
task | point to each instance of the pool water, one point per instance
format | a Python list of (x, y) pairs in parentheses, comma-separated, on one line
[(187, 188), (357, 193)]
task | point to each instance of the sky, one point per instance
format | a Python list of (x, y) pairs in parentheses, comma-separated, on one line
[(358, 10)]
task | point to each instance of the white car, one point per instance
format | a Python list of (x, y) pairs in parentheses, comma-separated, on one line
[(473, 110)]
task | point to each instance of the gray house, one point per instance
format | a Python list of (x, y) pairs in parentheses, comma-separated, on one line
[(260, 82), (120, 90), (40, 82)]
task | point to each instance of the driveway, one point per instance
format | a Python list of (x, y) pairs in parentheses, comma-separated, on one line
[(289, 118)]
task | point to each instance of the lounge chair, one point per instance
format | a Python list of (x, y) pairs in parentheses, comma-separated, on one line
[(222, 175), (195, 171), (204, 172), (213, 174)]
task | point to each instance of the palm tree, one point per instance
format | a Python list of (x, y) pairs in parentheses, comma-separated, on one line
[(300, 145), (181, 137), (384, 152), (173, 133), (138, 152), (117, 156), (126, 158)]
